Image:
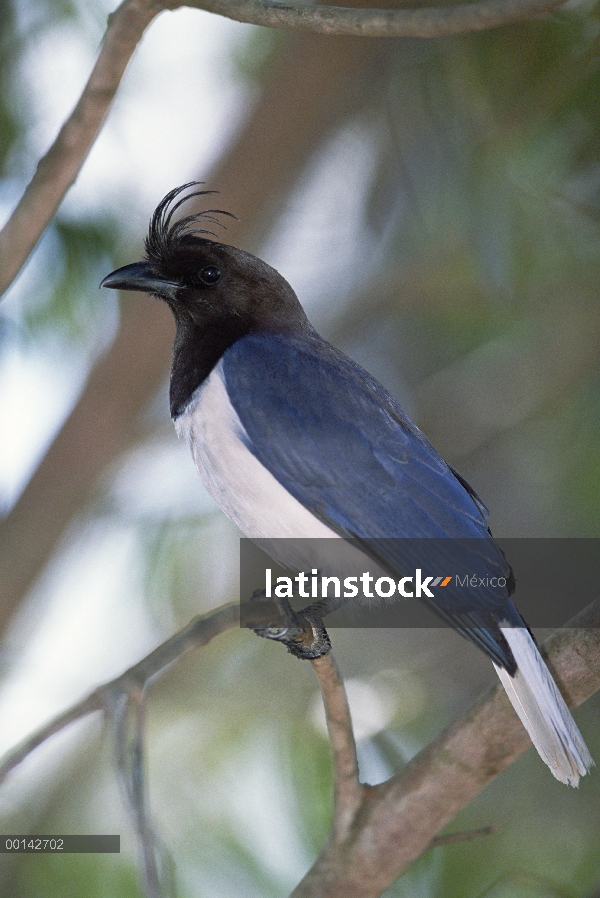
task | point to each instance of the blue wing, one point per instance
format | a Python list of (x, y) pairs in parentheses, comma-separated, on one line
[(342, 446)]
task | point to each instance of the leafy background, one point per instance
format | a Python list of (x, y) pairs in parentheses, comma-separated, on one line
[(442, 228)]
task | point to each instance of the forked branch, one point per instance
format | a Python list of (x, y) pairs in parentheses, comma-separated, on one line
[(400, 818), (108, 697)]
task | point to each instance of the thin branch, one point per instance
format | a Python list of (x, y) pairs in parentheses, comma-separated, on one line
[(106, 698), (452, 838), (348, 793), (93, 702), (429, 22), (119, 715), (129, 750), (58, 169)]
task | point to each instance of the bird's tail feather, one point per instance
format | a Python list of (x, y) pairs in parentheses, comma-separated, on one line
[(536, 699)]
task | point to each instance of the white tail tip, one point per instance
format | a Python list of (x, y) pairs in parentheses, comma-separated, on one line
[(535, 697)]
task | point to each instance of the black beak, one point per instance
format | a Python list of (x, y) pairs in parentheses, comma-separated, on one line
[(140, 276)]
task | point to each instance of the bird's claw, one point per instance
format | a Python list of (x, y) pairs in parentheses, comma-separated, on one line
[(303, 634)]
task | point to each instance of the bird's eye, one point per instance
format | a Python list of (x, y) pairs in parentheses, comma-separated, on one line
[(211, 274)]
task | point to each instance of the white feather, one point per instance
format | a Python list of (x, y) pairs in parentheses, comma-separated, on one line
[(248, 494), (535, 697)]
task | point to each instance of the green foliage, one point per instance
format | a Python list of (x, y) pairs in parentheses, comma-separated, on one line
[(580, 486), (305, 758), (11, 124), (83, 254), (72, 876)]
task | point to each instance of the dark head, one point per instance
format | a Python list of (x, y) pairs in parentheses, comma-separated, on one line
[(216, 292)]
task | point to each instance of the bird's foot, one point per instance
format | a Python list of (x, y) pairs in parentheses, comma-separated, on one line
[(302, 634), (311, 642)]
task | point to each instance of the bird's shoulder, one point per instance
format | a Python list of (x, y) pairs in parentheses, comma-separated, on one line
[(305, 379)]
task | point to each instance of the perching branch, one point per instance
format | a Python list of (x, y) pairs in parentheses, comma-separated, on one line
[(58, 169), (428, 22), (347, 795)]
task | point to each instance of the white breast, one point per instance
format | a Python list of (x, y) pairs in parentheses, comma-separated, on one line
[(248, 494)]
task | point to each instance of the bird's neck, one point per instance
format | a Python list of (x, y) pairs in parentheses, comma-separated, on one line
[(199, 347), (195, 353)]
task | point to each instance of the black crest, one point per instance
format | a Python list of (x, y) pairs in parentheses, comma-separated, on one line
[(164, 238)]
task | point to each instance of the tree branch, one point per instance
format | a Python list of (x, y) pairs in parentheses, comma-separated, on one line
[(129, 716), (110, 696), (347, 794), (452, 838), (428, 22), (58, 169)]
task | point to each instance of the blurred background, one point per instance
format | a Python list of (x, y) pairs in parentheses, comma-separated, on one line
[(436, 206)]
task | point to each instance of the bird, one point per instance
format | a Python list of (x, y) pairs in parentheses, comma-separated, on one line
[(296, 441)]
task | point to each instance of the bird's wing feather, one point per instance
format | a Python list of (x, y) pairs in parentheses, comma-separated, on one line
[(341, 445)]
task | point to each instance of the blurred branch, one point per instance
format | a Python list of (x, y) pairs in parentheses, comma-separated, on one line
[(347, 788), (398, 819), (130, 764), (110, 697), (58, 169), (429, 22), (103, 424)]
